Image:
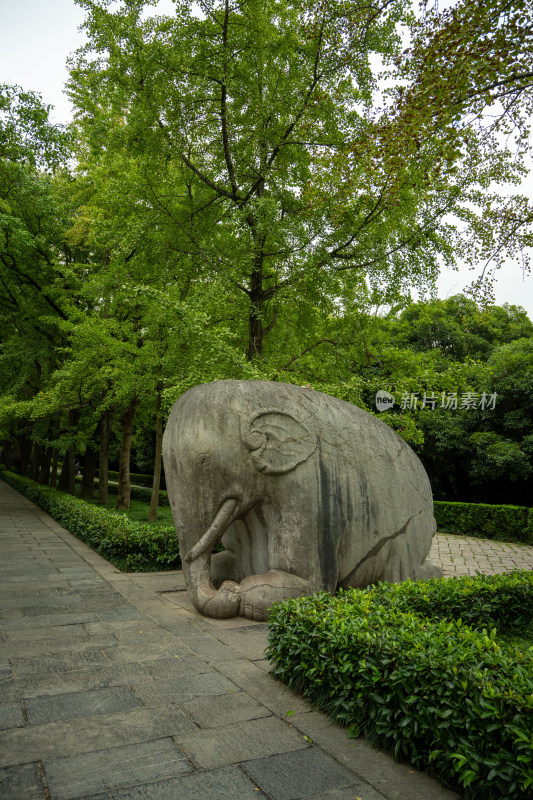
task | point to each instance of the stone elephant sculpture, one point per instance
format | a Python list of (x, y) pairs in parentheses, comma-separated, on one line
[(305, 491)]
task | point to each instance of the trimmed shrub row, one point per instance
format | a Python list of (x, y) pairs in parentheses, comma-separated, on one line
[(486, 601), (435, 692), (483, 521), (138, 479), (138, 493), (127, 544)]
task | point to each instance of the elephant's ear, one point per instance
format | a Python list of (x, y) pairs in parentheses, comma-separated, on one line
[(278, 441)]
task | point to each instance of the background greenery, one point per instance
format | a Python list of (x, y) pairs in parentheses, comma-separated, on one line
[(253, 191)]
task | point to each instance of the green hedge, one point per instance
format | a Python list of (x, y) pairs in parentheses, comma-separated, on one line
[(435, 692), (138, 493), (138, 479), (129, 545), (501, 523)]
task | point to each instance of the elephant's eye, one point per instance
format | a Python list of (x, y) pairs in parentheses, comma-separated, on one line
[(203, 459)]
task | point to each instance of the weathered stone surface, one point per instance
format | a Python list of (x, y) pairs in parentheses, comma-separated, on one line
[(105, 770), (224, 709), (219, 784), (257, 738), (290, 776), (11, 716), (21, 781), (176, 690), (79, 704), (305, 491)]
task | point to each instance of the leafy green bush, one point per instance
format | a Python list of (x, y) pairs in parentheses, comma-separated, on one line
[(483, 521), (435, 692), (138, 479), (139, 493), (502, 601), (127, 544)]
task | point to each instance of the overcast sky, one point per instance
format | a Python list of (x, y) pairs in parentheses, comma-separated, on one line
[(37, 36)]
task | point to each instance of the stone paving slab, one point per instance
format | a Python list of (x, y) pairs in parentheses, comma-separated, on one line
[(52, 708), (222, 784), (461, 555), (224, 709), (22, 782), (88, 734), (179, 690), (301, 773), (105, 770), (80, 680), (258, 738), (11, 716)]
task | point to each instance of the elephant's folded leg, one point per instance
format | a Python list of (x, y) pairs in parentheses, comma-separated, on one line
[(258, 592)]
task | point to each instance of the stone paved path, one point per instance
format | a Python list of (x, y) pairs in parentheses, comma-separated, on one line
[(458, 555), (113, 688)]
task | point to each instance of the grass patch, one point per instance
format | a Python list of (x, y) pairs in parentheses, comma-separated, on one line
[(138, 511)]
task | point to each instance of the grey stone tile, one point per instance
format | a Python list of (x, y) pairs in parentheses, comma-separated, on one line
[(291, 776), (110, 602), (176, 666), (113, 626), (22, 782), (87, 582), (274, 695), (123, 654), (11, 716), (208, 647), (40, 610), (224, 709), (61, 662), (86, 734), (223, 784), (258, 738), (77, 680), (52, 708), (149, 636), (357, 790), (51, 601), (54, 645), (6, 670), (106, 770), (129, 612), (248, 642), (48, 620), (177, 690)]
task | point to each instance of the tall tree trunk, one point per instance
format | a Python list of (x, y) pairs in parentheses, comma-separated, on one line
[(154, 499), (25, 455), (87, 481), (44, 473), (55, 465), (63, 481), (34, 462), (71, 454), (256, 293), (255, 339), (124, 485), (103, 467)]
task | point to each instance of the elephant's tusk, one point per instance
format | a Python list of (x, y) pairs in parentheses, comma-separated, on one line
[(214, 532)]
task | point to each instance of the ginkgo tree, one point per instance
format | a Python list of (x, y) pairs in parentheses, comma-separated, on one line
[(285, 181)]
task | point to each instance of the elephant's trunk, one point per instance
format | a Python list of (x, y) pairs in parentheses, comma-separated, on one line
[(221, 603)]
